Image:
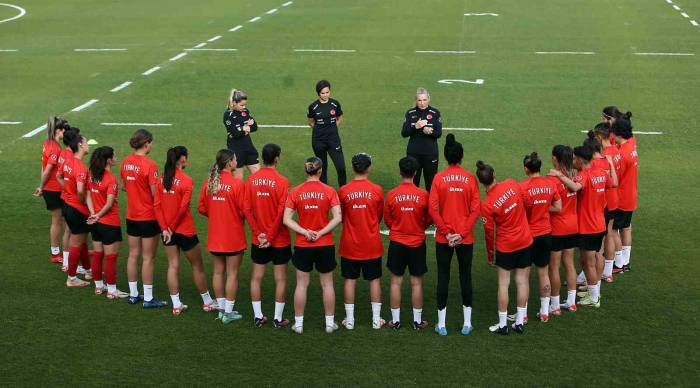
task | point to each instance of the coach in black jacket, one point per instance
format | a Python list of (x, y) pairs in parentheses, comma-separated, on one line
[(423, 127)]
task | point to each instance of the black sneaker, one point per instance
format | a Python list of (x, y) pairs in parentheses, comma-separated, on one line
[(616, 270), (279, 324), (419, 325), (520, 329), (626, 268), (258, 322), (499, 330), (394, 325)]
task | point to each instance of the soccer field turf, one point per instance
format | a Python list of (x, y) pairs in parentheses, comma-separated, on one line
[(645, 332)]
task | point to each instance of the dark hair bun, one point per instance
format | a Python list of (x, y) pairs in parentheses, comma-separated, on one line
[(534, 156), (480, 165), (591, 134), (450, 139), (627, 115)]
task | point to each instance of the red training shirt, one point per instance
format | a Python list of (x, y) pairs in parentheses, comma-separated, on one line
[(312, 200), (74, 172), (503, 212), (138, 174), (565, 222), (454, 204), (542, 192), (265, 195), (99, 191), (591, 200), (172, 207), (362, 202), (611, 195), (49, 156), (406, 214), (629, 168), (225, 232)]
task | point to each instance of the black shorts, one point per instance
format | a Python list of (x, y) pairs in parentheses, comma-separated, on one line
[(591, 242), (52, 199), (540, 249), (183, 242), (143, 229), (622, 219), (77, 221), (401, 256), (371, 269), (224, 254), (569, 241), (278, 256), (106, 234), (609, 215), (305, 258), (245, 157), (515, 259)]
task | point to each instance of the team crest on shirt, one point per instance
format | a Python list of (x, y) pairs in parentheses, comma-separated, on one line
[(244, 113), (228, 122), (333, 111), (429, 117)]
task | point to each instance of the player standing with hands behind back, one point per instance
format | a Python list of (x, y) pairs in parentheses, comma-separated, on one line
[(325, 116), (423, 126)]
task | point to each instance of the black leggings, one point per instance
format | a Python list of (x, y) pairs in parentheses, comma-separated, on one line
[(428, 165), (335, 150), (443, 253)]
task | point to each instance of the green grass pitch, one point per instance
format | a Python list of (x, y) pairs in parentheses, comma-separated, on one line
[(645, 333)]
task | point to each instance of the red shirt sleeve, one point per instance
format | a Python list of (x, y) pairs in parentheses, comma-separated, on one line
[(271, 234), (184, 203), (289, 203), (240, 197), (380, 204), (388, 218), (158, 208), (248, 210), (333, 195), (202, 205), (152, 174), (489, 232), (434, 209), (474, 209)]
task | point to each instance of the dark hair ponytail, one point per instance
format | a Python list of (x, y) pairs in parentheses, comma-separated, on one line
[(270, 152), (565, 158), (453, 150), (532, 162), (69, 134), (623, 128), (592, 142), (172, 156), (75, 142), (485, 173), (98, 162), (584, 152), (140, 138)]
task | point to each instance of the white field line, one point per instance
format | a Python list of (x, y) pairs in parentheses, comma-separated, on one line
[(641, 132), (255, 19), (666, 54), (481, 14), (693, 22), (323, 51), (201, 45), (34, 131), (136, 124), (444, 52), (151, 70), (287, 4), (178, 56), (8, 50), (234, 29), (565, 52), (10, 122), (214, 38), (677, 8), (685, 15), (21, 13), (84, 106), (282, 126), (99, 49), (211, 49), (120, 87), (469, 129), (669, 1), (270, 12)]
